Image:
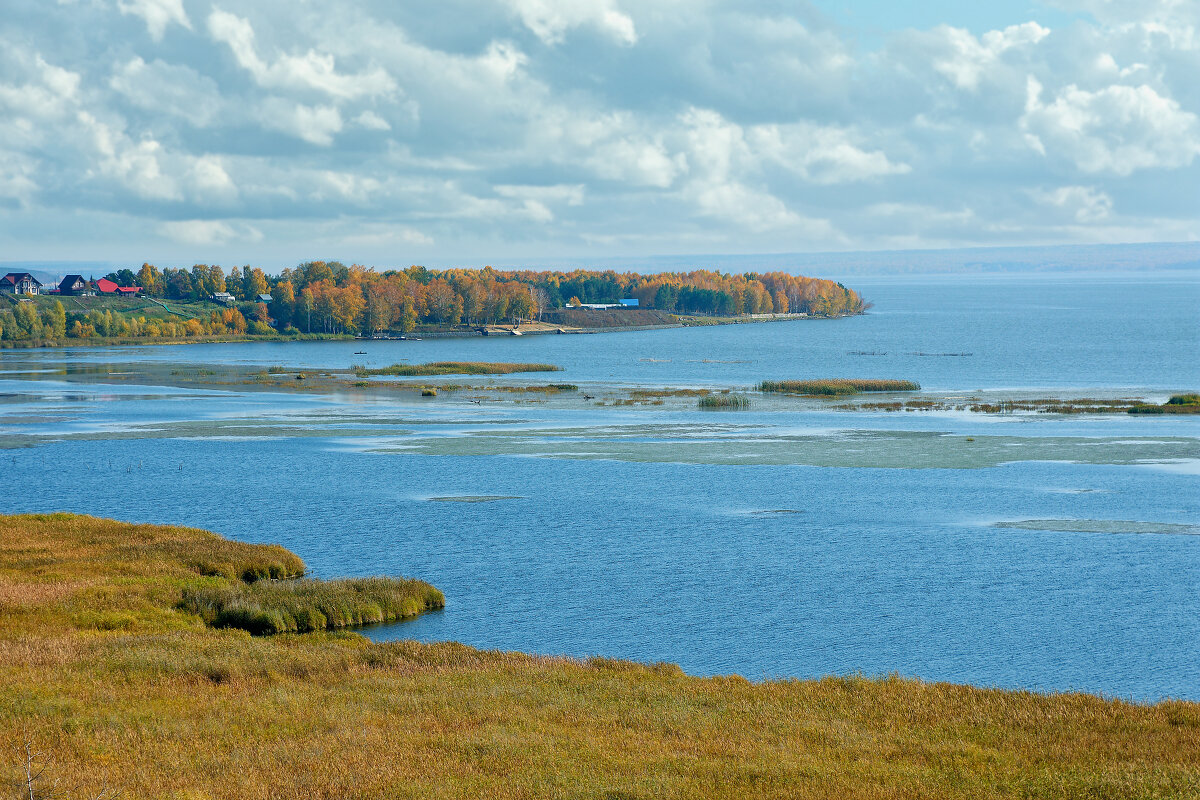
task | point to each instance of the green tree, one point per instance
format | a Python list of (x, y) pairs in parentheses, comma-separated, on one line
[(55, 320)]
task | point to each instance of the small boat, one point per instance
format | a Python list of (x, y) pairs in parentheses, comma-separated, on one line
[(516, 332), (360, 352)]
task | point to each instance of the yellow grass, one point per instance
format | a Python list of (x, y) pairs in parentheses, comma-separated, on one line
[(100, 668)]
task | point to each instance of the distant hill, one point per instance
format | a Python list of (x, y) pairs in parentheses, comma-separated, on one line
[(51, 272), (980, 260)]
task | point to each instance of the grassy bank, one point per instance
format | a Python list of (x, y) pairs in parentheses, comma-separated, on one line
[(837, 387), (101, 667), (453, 368)]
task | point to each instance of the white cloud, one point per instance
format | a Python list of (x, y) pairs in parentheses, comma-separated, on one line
[(1118, 129), (312, 70), (551, 19), (372, 121), (314, 124), (559, 126), (536, 200), (138, 166), (965, 59), (1085, 204), (51, 92), (157, 14), (822, 155), (208, 232), (164, 88)]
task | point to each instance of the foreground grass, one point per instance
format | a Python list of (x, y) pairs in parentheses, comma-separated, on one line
[(835, 387), (454, 368), (100, 665)]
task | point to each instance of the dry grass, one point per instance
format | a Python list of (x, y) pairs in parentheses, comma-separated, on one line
[(168, 707)]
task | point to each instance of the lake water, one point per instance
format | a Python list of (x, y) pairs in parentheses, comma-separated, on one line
[(781, 541)]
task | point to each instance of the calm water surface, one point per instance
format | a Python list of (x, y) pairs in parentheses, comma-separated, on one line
[(612, 545)]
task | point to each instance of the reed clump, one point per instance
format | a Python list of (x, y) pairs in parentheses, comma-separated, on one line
[(429, 392), (303, 606), (837, 387), (453, 368), (724, 401)]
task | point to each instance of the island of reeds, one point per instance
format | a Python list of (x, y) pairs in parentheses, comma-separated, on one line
[(837, 387), (329, 299), (453, 368), (148, 661)]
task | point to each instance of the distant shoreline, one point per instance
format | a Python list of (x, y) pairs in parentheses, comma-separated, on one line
[(443, 332)]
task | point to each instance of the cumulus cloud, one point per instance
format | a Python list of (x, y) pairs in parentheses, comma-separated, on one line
[(553, 127), (157, 14), (964, 59), (551, 19), (207, 232), (172, 89), (1085, 204), (314, 124), (1118, 129), (312, 70), (536, 200)]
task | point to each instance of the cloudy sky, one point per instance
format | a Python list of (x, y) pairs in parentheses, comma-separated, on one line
[(390, 132)]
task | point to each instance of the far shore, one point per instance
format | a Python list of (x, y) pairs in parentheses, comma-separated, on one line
[(422, 332)]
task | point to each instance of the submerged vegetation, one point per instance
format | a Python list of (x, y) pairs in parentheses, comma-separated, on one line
[(138, 696), (453, 368), (836, 387)]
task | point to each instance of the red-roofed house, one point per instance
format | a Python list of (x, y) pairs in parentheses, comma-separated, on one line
[(105, 286), (129, 291)]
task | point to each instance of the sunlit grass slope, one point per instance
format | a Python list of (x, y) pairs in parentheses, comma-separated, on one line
[(104, 664)]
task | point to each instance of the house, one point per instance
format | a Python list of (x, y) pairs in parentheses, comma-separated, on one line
[(265, 298), (128, 291), (630, 302), (20, 283), (73, 285), (222, 297), (105, 286)]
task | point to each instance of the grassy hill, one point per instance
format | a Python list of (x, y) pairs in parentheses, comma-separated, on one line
[(138, 306), (108, 666)]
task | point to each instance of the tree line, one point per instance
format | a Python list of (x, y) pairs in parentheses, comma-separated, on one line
[(328, 297)]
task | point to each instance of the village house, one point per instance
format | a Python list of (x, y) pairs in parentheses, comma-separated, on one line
[(265, 298), (73, 285), (224, 298), (105, 286), (20, 283)]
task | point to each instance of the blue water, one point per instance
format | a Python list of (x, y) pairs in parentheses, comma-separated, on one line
[(1035, 331), (874, 570)]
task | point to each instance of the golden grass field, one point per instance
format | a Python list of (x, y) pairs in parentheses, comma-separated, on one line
[(130, 694)]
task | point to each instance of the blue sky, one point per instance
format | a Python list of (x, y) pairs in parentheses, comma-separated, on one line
[(470, 132)]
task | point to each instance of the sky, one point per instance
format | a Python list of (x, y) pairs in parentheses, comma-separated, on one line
[(461, 132)]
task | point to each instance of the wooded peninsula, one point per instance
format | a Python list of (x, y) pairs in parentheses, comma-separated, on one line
[(320, 298)]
